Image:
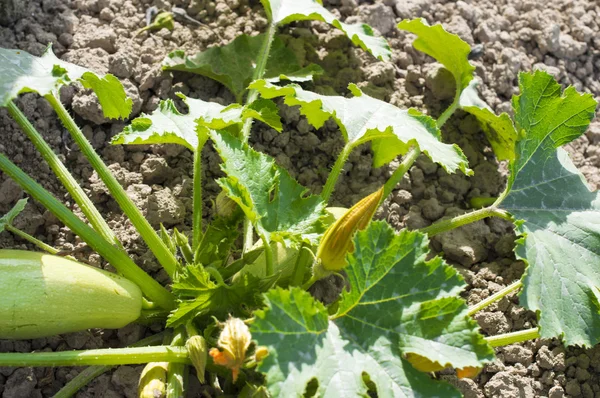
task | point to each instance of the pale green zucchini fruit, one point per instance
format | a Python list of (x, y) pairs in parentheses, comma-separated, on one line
[(43, 295)]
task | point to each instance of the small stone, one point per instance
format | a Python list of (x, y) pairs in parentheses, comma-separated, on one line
[(573, 388), (556, 392), (20, 384), (518, 354), (155, 171)]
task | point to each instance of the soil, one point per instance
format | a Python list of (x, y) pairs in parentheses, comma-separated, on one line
[(507, 36)]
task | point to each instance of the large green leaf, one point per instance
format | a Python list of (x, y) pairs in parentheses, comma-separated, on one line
[(282, 12), (363, 118), (558, 217), (200, 297), (398, 305), (166, 125), (22, 72), (452, 52), (279, 208), (233, 65), (8, 218), (499, 130)]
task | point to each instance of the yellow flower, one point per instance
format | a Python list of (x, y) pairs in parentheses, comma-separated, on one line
[(196, 346), (337, 240), (234, 341)]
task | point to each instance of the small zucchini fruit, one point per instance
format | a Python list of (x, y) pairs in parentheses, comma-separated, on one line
[(43, 295)]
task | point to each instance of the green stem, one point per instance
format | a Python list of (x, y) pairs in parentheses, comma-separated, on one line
[(304, 254), (31, 239), (114, 255), (310, 282), (177, 372), (248, 235), (268, 256), (335, 172), (61, 172), (464, 219), (450, 110), (92, 372), (106, 356), (198, 205), (148, 234), (495, 297), (407, 162), (513, 338)]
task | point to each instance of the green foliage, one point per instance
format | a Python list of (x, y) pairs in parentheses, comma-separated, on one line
[(216, 63), (46, 74), (282, 12), (559, 218), (279, 208), (398, 304), (9, 217), (362, 118), (166, 125), (200, 297), (452, 52)]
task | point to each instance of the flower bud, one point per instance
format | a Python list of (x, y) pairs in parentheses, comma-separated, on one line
[(337, 240), (153, 380), (234, 341), (198, 352), (260, 353)]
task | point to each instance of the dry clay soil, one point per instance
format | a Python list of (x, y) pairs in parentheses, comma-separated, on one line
[(507, 36)]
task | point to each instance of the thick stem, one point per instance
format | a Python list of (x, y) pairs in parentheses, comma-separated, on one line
[(177, 372), (198, 205), (259, 71), (107, 356), (451, 109), (335, 172), (464, 219), (248, 235), (495, 297), (114, 255), (407, 162), (513, 338), (155, 244), (31, 239), (92, 372), (268, 256), (304, 254), (59, 169)]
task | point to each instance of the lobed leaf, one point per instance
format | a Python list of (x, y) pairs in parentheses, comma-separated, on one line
[(399, 305), (8, 218), (453, 53), (217, 63), (166, 125), (200, 297), (279, 208), (558, 217), (362, 118), (282, 12), (24, 73), (499, 129)]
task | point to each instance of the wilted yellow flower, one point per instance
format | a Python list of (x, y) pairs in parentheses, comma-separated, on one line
[(337, 240), (153, 380), (198, 352), (234, 341)]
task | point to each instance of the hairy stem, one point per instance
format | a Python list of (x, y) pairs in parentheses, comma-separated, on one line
[(479, 202), (304, 254), (451, 109), (259, 71), (92, 372), (513, 338), (495, 297), (198, 205), (335, 172), (248, 235), (155, 244), (31, 239), (107, 356), (114, 255), (464, 219), (268, 256), (407, 162), (61, 172)]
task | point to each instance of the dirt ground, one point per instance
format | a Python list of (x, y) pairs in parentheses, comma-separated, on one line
[(507, 36)]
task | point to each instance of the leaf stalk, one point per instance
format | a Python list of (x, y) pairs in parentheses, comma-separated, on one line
[(514, 337), (495, 297), (335, 172), (464, 219), (407, 161)]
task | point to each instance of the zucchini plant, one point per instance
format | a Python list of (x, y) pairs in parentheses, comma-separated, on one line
[(241, 314)]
